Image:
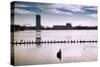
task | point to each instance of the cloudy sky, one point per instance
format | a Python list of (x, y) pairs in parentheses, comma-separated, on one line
[(55, 14)]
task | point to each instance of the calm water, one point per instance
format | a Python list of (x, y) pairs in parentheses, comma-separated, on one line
[(46, 53)]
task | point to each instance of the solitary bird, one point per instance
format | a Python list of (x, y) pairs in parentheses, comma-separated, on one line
[(59, 55)]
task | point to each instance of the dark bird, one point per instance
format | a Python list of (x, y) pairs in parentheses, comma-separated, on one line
[(59, 55)]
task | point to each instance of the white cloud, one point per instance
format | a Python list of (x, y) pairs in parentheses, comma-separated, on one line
[(21, 11), (92, 15), (92, 8), (22, 5), (74, 8), (55, 11)]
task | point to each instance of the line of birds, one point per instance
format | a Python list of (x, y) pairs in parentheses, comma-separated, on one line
[(69, 41)]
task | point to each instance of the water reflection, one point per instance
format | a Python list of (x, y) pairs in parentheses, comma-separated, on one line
[(47, 52), (38, 38)]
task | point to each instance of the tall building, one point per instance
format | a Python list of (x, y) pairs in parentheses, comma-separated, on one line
[(38, 22)]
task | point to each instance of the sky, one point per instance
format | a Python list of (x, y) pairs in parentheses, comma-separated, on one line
[(54, 14)]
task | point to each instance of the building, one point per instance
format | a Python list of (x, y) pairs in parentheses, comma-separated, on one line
[(67, 26), (38, 22)]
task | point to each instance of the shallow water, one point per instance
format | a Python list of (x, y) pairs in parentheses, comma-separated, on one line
[(46, 53)]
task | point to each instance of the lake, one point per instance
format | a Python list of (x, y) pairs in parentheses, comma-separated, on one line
[(46, 53)]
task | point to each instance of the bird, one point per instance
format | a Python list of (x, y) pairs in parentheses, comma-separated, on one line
[(59, 55)]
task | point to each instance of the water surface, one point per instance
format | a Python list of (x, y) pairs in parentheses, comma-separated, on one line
[(46, 53)]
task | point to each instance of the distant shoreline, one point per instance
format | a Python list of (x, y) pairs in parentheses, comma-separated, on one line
[(53, 29), (22, 28)]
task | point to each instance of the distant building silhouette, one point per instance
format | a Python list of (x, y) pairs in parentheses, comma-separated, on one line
[(38, 22), (38, 27), (68, 25)]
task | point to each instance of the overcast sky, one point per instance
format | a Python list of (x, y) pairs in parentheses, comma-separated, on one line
[(55, 14)]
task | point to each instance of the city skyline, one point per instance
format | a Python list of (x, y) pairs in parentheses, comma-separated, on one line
[(55, 14)]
